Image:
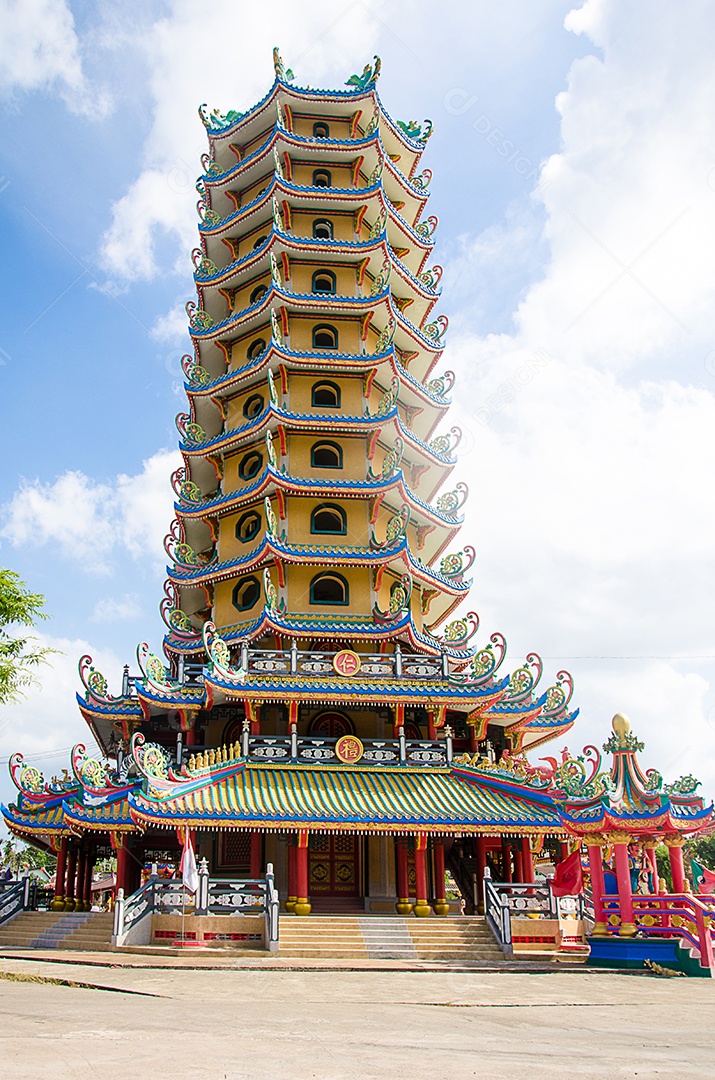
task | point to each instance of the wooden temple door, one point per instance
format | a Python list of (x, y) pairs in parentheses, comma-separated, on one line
[(331, 725), (334, 865)]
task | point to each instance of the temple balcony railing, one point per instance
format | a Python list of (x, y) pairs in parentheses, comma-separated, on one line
[(318, 750), (309, 663)]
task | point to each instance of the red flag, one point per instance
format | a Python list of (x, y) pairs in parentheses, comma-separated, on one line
[(568, 879)]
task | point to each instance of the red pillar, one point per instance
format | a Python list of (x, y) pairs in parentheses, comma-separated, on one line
[(123, 867), (421, 908), (256, 854), (518, 863), (58, 904), (595, 862), (79, 887), (440, 905), (677, 867), (70, 879), (292, 880), (625, 893), (506, 861), (564, 850), (527, 861), (403, 905), (302, 904)]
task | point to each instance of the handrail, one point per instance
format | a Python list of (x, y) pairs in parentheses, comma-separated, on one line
[(497, 913), (670, 915), (272, 911), (14, 899), (130, 911)]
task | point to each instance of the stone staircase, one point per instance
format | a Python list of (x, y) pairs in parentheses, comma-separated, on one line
[(377, 937), (80, 930)]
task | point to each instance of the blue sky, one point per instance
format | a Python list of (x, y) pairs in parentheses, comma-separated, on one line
[(574, 162)]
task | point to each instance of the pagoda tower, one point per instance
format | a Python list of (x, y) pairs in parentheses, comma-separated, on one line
[(320, 704)]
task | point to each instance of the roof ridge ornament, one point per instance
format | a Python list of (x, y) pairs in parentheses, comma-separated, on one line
[(368, 78), (283, 74)]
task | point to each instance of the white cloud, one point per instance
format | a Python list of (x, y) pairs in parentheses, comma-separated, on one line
[(90, 520), (47, 723), (591, 427), (111, 609), (323, 39), (39, 50)]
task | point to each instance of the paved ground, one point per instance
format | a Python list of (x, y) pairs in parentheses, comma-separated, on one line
[(300, 1025)]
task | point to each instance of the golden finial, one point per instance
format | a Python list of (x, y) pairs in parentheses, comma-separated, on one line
[(621, 727)]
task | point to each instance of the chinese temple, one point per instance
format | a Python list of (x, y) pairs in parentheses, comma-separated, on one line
[(319, 703)]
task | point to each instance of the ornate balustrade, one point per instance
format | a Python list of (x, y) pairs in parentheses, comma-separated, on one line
[(689, 918), (294, 661), (218, 896), (316, 750)]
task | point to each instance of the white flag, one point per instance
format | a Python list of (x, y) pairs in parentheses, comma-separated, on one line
[(189, 874)]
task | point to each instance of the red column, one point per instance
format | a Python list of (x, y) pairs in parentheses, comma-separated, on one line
[(292, 881), (518, 863), (527, 861), (564, 850), (79, 887), (256, 854), (70, 879), (440, 905), (302, 904), (677, 867), (421, 908), (403, 905), (625, 893), (58, 904), (123, 868), (506, 861), (595, 862)]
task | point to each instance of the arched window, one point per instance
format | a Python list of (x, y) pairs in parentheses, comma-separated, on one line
[(257, 243), (332, 725), (247, 526), (321, 130), (250, 465), (256, 348), (329, 589), (321, 178), (258, 293), (326, 395), (323, 229), (324, 281), (253, 405), (325, 337), (326, 455), (328, 519), (246, 592)]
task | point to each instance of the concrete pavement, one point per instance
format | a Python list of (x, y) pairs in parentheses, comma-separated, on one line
[(318, 1025)]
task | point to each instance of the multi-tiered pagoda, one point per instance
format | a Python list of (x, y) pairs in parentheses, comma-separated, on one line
[(314, 706)]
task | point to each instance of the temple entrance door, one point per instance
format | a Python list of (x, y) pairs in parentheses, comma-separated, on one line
[(331, 725), (334, 865)]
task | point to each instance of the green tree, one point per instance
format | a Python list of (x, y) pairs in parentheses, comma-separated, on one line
[(19, 653)]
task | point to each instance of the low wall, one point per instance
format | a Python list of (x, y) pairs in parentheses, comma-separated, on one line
[(213, 931), (548, 935)]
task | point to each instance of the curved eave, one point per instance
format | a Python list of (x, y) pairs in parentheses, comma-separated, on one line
[(338, 424), (323, 305), (271, 548), (600, 818), (125, 709), (112, 817), (344, 798), (40, 823), (348, 363), (359, 690), (271, 479)]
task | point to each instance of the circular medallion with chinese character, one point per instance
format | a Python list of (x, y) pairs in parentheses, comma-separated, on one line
[(347, 662), (349, 749)]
